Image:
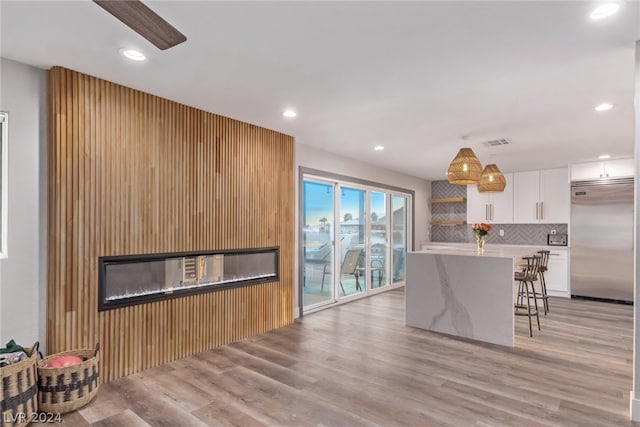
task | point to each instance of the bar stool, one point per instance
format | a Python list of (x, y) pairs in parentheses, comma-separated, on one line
[(544, 262), (527, 290)]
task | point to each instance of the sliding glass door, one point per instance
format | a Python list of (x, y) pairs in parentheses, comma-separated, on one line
[(353, 248), (317, 234), (379, 239), (355, 238), (399, 238)]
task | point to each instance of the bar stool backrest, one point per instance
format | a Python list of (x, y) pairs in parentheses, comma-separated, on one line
[(530, 271), (544, 261)]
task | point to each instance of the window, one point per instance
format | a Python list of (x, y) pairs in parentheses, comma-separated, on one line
[(4, 174)]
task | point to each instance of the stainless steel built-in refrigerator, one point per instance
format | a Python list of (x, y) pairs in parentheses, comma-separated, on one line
[(602, 240)]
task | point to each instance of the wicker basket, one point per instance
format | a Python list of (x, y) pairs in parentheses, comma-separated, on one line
[(18, 382), (62, 390)]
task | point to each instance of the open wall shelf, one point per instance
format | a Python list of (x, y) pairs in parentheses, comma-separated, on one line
[(448, 222), (450, 200)]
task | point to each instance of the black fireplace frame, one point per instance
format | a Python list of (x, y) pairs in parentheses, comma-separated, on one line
[(105, 261)]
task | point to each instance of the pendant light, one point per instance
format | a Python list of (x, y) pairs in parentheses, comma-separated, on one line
[(492, 180), (465, 168)]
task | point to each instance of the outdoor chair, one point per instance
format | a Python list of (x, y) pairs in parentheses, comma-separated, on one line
[(349, 267)]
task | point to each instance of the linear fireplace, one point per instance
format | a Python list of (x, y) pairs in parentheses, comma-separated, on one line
[(137, 279)]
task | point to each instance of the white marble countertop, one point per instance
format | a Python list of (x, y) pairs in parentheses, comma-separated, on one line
[(469, 249), (456, 245)]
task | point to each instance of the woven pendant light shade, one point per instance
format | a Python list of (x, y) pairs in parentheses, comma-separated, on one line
[(492, 180), (465, 168)]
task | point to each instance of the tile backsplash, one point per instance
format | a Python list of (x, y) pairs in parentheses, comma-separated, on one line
[(514, 234), (443, 189)]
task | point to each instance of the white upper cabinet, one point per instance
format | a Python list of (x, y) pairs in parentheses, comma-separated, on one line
[(604, 169), (541, 196), (526, 197), (502, 203), (477, 205), (584, 171), (490, 207), (619, 168), (555, 196)]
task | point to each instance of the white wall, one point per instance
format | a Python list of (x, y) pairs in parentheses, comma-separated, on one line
[(635, 392), (314, 158), (23, 272)]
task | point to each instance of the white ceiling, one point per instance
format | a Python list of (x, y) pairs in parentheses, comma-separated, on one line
[(412, 76)]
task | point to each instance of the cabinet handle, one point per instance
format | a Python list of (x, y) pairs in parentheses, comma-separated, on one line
[(537, 210), (486, 212), (492, 212), (541, 210)]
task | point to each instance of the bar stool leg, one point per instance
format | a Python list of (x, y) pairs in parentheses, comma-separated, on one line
[(535, 303), (528, 310), (520, 295), (545, 297)]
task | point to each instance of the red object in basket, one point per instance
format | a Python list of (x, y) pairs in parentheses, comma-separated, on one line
[(62, 361)]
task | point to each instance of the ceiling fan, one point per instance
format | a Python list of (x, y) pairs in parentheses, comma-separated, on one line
[(144, 21)]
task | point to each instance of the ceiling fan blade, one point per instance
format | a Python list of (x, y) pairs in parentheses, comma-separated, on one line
[(144, 21)]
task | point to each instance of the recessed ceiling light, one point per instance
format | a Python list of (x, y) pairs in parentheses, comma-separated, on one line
[(604, 156), (379, 147), (603, 107), (289, 113), (604, 11), (132, 54)]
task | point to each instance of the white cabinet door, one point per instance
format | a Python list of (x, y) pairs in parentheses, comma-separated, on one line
[(586, 171), (477, 205), (494, 208), (526, 197), (555, 196), (557, 275), (501, 204), (619, 168), (541, 197), (607, 169)]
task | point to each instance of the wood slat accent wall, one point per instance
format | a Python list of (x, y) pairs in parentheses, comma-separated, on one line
[(132, 173)]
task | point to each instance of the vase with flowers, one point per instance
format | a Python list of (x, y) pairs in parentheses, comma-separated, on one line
[(480, 230)]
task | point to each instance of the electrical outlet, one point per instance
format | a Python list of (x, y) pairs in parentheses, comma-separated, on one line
[(553, 231), (501, 232)]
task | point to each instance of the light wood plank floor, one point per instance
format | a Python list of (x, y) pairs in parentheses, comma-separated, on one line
[(359, 365)]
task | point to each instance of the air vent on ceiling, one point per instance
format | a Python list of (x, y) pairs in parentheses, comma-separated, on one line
[(497, 142)]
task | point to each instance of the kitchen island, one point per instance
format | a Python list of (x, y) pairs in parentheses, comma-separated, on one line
[(458, 291)]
